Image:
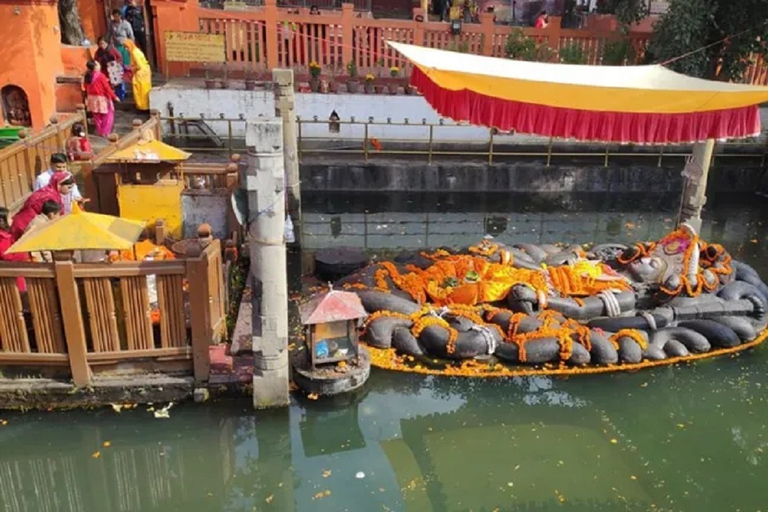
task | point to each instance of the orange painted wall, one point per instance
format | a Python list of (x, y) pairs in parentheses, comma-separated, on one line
[(74, 58), (30, 54), (94, 18)]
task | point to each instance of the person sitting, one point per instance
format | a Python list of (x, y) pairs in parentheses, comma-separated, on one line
[(78, 146), (542, 21), (59, 164), (59, 190), (51, 210)]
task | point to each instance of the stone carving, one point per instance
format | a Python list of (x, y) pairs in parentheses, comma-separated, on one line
[(563, 306)]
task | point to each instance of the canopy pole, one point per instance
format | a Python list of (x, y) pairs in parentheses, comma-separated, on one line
[(695, 174)]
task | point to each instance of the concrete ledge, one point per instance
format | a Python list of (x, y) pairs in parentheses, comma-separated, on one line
[(26, 394)]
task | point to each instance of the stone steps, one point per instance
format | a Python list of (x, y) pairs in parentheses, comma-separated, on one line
[(227, 368)]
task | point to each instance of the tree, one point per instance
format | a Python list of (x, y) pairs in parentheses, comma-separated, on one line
[(728, 33), (69, 20), (626, 11)]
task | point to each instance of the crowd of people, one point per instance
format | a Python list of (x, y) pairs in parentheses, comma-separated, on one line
[(119, 59), (55, 192)]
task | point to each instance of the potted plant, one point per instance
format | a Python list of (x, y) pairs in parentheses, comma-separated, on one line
[(353, 84), (369, 88), (394, 72), (314, 76), (209, 82)]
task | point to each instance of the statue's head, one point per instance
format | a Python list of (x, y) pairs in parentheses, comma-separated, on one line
[(648, 269)]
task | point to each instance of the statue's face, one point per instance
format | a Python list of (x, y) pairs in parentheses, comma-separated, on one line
[(647, 270)]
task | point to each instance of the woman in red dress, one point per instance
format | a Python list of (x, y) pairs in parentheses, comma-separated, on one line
[(59, 189), (100, 98)]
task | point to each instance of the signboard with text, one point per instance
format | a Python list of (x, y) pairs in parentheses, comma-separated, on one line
[(194, 47)]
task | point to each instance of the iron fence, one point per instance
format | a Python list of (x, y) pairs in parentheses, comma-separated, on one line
[(370, 139)]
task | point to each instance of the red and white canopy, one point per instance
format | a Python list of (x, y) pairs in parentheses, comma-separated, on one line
[(639, 104)]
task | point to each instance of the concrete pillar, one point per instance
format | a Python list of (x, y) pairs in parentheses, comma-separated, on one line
[(285, 108), (696, 173), (265, 185)]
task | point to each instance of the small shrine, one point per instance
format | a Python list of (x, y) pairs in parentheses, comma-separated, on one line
[(330, 320), (332, 360)]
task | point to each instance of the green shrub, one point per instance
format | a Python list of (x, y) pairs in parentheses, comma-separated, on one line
[(572, 54)]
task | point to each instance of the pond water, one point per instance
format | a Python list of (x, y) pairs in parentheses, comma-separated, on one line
[(689, 438)]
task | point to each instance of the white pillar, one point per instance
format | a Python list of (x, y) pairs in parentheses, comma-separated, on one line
[(285, 108), (265, 185), (695, 185)]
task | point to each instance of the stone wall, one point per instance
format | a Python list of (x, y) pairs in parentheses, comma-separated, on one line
[(514, 177)]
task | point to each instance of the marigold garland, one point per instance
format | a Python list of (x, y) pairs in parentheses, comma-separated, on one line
[(484, 248), (570, 281), (427, 321), (354, 286), (636, 335), (388, 359), (381, 314)]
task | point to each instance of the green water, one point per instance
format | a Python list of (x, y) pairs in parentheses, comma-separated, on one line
[(689, 438)]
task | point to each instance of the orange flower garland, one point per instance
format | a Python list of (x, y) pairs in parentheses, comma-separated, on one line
[(388, 359), (484, 248), (567, 281), (428, 321), (634, 334), (381, 314)]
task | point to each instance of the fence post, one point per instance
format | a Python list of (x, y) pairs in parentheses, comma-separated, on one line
[(418, 26), (487, 28), (273, 37), (61, 138), (82, 117), (553, 32), (29, 159), (347, 30), (157, 129), (74, 330), (202, 335)]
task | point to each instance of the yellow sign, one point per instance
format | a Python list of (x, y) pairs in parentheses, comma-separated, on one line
[(194, 47)]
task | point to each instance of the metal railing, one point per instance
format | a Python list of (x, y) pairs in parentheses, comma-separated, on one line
[(376, 140)]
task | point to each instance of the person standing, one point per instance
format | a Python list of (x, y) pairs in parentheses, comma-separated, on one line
[(111, 61), (142, 76), (100, 99), (119, 32), (134, 15)]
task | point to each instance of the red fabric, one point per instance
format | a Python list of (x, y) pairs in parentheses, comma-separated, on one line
[(587, 125), (6, 241), (79, 148), (100, 86), (34, 204), (106, 56)]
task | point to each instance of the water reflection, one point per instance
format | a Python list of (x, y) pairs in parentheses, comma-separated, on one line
[(382, 222), (687, 438)]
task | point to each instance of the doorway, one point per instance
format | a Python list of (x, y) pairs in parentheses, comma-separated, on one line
[(16, 106)]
